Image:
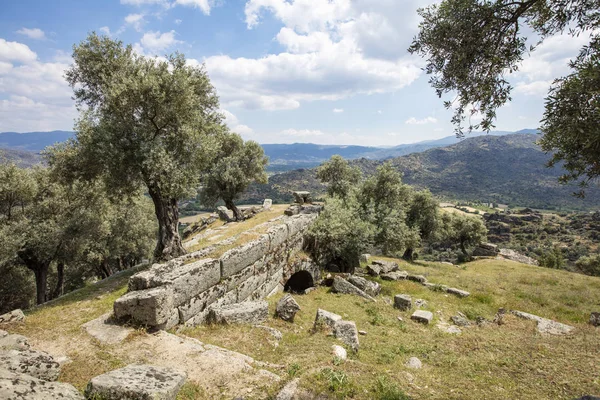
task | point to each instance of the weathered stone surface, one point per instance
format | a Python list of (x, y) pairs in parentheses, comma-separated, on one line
[(302, 197), (365, 258), (394, 276), (311, 209), (271, 286), (339, 352), (346, 331), (298, 224), (518, 257), (105, 330), (374, 269), (414, 363), (246, 288), (460, 320), (422, 316), (35, 363), (292, 210), (402, 302), (137, 382), (416, 278), (289, 390), (287, 308), (594, 319), (278, 234), (199, 303), (458, 292), (267, 204), (386, 266), (225, 214), (340, 285), (451, 329), (12, 316), (486, 250), (369, 287), (250, 312), (146, 307), (234, 260), (13, 342), (326, 319), (545, 325), (22, 386)]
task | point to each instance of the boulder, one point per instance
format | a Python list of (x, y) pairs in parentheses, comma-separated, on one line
[(13, 316), (374, 269), (545, 325), (13, 342), (414, 363), (287, 308), (346, 331), (486, 250), (14, 385), (292, 210), (249, 312), (150, 307), (339, 352), (369, 287), (225, 214), (402, 302), (416, 278), (458, 292), (137, 382), (387, 266), (267, 204), (394, 276), (518, 257), (325, 319), (340, 285), (31, 362), (422, 316), (594, 319)]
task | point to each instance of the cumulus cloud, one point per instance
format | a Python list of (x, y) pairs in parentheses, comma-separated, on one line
[(15, 51), (156, 41), (424, 121), (105, 30), (135, 20), (302, 133), (234, 124), (338, 110), (34, 33), (203, 5)]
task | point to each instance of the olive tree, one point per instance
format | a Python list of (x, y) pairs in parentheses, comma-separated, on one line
[(422, 215), (143, 121), (237, 165), (463, 230), (339, 176)]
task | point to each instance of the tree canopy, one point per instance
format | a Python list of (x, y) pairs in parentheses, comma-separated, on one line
[(472, 46), (339, 176)]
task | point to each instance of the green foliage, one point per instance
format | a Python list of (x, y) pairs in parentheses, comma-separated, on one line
[(552, 258), (463, 230), (340, 177), (338, 382), (589, 265), (238, 164), (386, 389)]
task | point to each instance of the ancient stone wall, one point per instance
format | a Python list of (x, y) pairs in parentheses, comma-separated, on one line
[(176, 293)]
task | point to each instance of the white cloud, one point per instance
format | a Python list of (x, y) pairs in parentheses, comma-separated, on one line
[(302, 133), (234, 124), (34, 33), (156, 41), (203, 5), (105, 30), (424, 121), (135, 20), (338, 110), (536, 88), (178, 22), (15, 51)]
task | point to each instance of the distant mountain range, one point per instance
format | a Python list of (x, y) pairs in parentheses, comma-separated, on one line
[(32, 141), (507, 169)]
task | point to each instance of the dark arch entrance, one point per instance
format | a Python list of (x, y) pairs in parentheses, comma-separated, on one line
[(299, 282)]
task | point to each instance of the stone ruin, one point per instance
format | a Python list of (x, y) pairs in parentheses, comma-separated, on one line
[(184, 292)]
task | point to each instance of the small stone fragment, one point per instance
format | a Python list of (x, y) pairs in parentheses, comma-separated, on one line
[(420, 303), (595, 319), (460, 320), (287, 308), (422, 316), (346, 331), (339, 352), (402, 302), (363, 333), (365, 258), (414, 363), (400, 318)]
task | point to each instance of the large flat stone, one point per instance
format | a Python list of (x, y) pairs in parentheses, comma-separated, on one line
[(13, 342), (394, 276), (326, 319), (150, 307), (16, 386), (278, 235), (422, 316), (105, 330), (458, 292), (35, 363), (340, 285), (12, 316), (287, 307), (369, 287), (236, 259), (346, 331), (137, 382), (250, 312), (545, 325)]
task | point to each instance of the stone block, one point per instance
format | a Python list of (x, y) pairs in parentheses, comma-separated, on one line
[(15, 385), (234, 281), (200, 302), (298, 223), (394, 276), (150, 307), (595, 319), (250, 312), (402, 302), (278, 235), (416, 278), (268, 287), (249, 286), (422, 316), (369, 287), (13, 342), (137, 382), (325, 318), (458, 292), (287, 307), (235, 260), (346, 331), (12, 316), (340, 285), (38, 364), (267, 204), (374, 269)]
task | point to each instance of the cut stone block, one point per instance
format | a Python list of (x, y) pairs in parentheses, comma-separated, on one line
[(403, 302), (278, 234), (422, 316), (416, 278), (340, 285), (105, 330), (15, 385), (346, 331), (374, 269), (235, 260), (326, 318), (250, 312), (137, 382), (545, 325), (369, 287), (386, 266), (35, 363), (394, 276), (146, 307), (458, 292)]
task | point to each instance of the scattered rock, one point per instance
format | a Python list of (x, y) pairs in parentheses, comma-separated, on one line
[(294, 209), (13, 316), (277, 335), (595, 318), (394, 276), (486, 250), (422, 316), (15, 385), (325, 318), (363, 333), (374, 269), (402, 302), (416, 278), (339, 352), (267, 204), (518, 257), (460, 320), (143, 382), (250, 312), (289, 390), (387, 266), (225, 214), (31, 362), (340, 285), (369, 287), (106, 331), (287, 308), (458, 292), (546, 325), (420, 303), (13, 342), (346, 331), (400, 318), (310, 289), (452, 329), (414, 363)]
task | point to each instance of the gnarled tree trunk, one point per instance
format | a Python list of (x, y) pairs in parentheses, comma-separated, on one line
[(169, 244), (40, 270), (237, 214), (409, 254)]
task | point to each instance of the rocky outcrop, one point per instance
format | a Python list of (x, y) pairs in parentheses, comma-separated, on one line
[(137, 382), (518, 257)]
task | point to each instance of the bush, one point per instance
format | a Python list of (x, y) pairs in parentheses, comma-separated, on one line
[(589, 265)]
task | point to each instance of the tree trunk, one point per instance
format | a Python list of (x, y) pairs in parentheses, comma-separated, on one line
[(40, 270), (169, 244), (409, 253), (237, 214), (104, 269), (60, 280)]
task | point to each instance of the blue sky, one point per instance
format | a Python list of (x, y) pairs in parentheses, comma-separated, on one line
[(321, 71)]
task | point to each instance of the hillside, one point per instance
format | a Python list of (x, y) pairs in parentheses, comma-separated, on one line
[(507, 169), (22, 158)]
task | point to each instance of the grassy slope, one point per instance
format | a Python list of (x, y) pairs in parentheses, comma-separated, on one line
[(508, 361)]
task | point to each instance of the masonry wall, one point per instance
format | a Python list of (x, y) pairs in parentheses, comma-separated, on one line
[(175, 293)]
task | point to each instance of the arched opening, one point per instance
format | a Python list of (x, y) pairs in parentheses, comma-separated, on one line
[(299, 282)]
